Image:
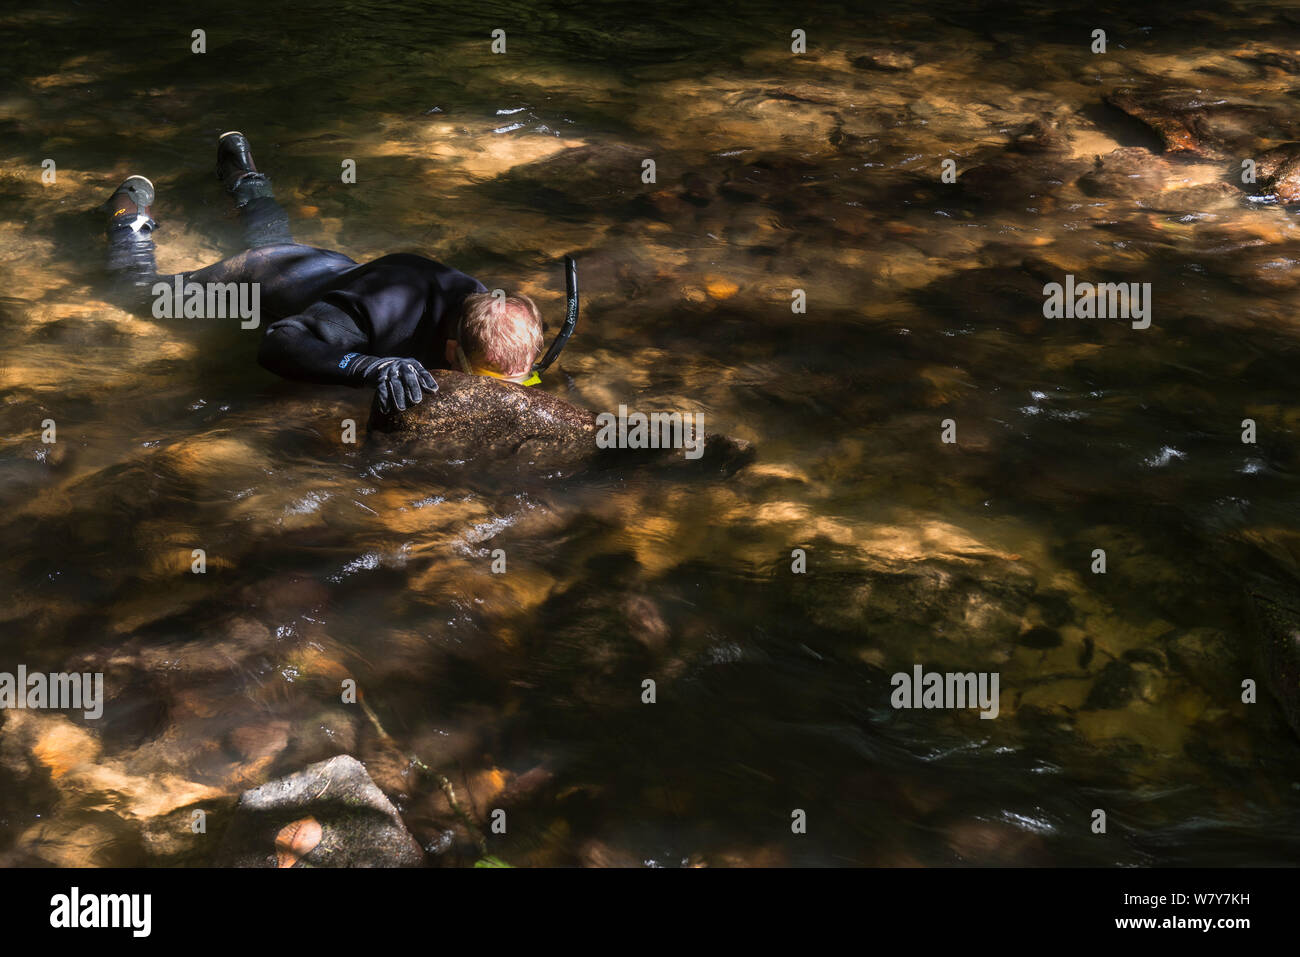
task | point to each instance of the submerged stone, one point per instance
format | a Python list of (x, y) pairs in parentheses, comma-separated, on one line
[(1259, 267), (885, 60), (1126, 172), (1114, 687), (1206, 657), (472, 416), (1275, 614), (1040, 637), (1190, 121), (1029, 173), (477, 417), (359, 827), (1278, 172)]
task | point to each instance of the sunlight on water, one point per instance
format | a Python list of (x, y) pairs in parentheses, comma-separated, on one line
[(774, 173)]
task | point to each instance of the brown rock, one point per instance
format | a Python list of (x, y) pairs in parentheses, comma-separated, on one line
[(1189, 121), (1278, 170), (477, 417), (1128, 172), (885, 60)]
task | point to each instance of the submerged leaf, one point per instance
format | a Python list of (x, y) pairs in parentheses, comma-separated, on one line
[(296, 841)]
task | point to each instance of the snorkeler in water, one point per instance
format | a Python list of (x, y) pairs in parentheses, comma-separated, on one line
[(384, 323)]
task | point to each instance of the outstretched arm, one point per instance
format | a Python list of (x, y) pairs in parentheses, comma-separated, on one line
[(311, 347), (324, 345)]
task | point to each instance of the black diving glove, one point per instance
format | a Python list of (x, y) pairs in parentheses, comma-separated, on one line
[(398, 382)]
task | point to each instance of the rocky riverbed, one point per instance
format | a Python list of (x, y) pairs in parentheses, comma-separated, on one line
[(351, 609)]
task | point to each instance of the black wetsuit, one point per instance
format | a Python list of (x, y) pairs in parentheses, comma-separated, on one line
[(329, 313), (398, 305)]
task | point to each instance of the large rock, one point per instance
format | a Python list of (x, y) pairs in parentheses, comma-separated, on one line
[(1275, 611), (1193, 122), (471, 416), (1278, 170), (1126, 172), (477, 417), (359, 827)]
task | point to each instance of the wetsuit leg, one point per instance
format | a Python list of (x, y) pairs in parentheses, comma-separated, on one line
[(262, 219), (288, 273), (290, 276), (131, 265)]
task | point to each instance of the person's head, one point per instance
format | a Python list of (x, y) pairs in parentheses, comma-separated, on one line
[(499, 337)]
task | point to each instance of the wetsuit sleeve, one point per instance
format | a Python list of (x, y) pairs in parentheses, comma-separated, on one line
[(316, 346), (398, 306)]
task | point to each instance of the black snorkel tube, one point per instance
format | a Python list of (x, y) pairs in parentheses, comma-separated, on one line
[(570, 317)]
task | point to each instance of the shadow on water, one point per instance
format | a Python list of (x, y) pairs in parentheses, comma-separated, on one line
[(328, 561)]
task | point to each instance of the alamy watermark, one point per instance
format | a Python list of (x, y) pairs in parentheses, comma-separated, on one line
[(76, 910), (1104, 300), (213, 300), (58, 691), (933, 689)]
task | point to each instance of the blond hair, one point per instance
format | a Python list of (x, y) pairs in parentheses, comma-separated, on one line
[(504, 335)]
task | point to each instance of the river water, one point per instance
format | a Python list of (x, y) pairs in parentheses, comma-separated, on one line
[(774, 172)]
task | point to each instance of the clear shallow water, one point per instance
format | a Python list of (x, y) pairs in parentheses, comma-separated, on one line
[(774, 173)]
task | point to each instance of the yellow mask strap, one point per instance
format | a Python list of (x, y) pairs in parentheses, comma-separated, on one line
[(532, 379)]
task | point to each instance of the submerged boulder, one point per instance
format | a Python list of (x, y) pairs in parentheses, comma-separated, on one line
[(472, 416), (884, 59), (330, 814), (1278, 170), (1276, 617), (1191, 122), (1126, 172), (1030, 173), (476, 417)]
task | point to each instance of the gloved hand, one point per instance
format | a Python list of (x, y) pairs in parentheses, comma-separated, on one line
[(398, 382)]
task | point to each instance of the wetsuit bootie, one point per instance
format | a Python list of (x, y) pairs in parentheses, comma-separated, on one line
[(129, 207), (236, 170)]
